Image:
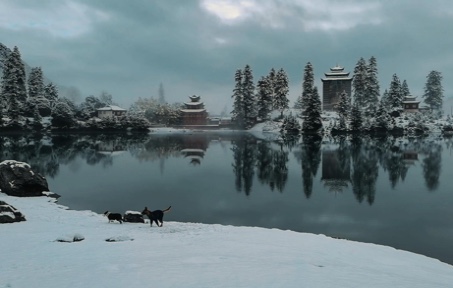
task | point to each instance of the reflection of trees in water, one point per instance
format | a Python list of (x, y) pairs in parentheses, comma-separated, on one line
[(272, 165), (309, 156), (244, 157), (432, 165)]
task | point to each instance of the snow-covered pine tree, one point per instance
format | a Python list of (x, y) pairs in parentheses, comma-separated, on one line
[(434, 92), (385, 100), (313, 121), (264, 98), (308, 83), (248, 90), (382, 119), (62, 116), (35, 83), (359, 83), (36, 94), (356, 120), (37, 119), (405, 89), (343, 108), (272, 78), (13, 84), (395, 97), (51, 94), (238, 100), (281, 91), (372, 92)]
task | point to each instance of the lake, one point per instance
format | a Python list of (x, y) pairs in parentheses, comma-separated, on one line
[(389, 191)]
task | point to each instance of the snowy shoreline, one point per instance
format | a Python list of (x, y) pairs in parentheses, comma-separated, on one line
[(193, 255)]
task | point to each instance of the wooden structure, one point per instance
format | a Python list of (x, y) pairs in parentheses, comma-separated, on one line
[(411, 104), (111, 110), (194, 112), (335, 82)]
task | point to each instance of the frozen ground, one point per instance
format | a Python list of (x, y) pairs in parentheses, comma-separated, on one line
[(193, 255)]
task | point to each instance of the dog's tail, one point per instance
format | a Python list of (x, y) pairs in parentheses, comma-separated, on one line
[(166, 210)]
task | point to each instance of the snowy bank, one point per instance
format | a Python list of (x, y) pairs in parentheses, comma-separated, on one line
[(192, 255)]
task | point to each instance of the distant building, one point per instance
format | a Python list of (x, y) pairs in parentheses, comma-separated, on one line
[(111, 110), (194, 112), (335, 82), (410, 104)]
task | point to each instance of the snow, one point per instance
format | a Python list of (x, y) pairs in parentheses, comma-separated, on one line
[(192, 255)]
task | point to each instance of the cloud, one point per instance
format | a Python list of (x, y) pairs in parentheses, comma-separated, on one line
[(307, 15), (66, 19)]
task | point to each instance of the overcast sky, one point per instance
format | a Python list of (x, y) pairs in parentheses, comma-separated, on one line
[(128, 48)]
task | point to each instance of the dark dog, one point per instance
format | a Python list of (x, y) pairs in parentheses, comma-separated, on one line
[(156, 216), (114, 216)]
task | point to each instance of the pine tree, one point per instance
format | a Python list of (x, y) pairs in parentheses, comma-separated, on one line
[(395, 96), (372, 87), (405, 89), (13, 86), (356, 120), (382, 120), (307, 86), (264, 98), (272, 79), (434, 92), (344, 105), (51, 94), (359, 83), (281, 91), (35, 83), (313, 121), (238, 100), (248, 90), (385, 100)]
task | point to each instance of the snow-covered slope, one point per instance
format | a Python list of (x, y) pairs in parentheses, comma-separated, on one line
[(193, 255)]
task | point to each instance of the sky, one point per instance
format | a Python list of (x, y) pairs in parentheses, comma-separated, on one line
[(128, 48), (192, 255)]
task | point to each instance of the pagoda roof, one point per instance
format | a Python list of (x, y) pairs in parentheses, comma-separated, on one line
[(193, 110), (194, 97), (337, 73)]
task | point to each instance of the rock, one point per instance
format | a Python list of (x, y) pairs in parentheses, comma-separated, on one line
[(17, 179), (70, 238), (9, 214), (133, 217), (119, 239)]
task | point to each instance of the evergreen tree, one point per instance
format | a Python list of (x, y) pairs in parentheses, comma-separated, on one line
[(35, 83), (238, 100), (313, 121), (13, 86), (434, 92), (281, 91), (356, 120), (62, 116), (385, 100), (264, 98), (359, 83), (382, 120), (344, 105), (248, 90), (37, 119), (51, 94), (405, 89), (272, 79), (372, 87), (307, 87), (395, 96)]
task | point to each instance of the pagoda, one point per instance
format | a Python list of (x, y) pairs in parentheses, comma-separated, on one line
[(194, 112), (335, 82), (410, 103)]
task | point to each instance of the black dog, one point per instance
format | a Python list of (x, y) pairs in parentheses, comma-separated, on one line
[(155, 216), (114, 216)]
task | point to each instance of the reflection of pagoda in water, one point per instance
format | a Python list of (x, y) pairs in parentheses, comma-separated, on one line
[(335, 175), (194, 148), (111, 147)]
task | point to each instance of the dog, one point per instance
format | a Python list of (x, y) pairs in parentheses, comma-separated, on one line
[(156, 216), (114, 216)]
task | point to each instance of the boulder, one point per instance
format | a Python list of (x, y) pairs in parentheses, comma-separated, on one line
[(17, 179), (9, 214), (134, 217)]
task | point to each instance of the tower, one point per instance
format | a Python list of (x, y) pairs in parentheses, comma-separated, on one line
[(335, 82)]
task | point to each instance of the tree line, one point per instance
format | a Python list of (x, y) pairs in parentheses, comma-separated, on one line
[(366, 110)]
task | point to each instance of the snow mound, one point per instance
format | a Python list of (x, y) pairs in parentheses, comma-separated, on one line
[(119, 239), (69, 238)]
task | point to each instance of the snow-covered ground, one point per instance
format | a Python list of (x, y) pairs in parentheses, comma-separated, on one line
[(193, 255)]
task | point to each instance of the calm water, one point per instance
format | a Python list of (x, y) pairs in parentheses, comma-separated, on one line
[(390, 191)]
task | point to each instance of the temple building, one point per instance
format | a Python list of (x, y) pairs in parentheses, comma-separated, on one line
[(410, 104), (335, 82), (194, 112)]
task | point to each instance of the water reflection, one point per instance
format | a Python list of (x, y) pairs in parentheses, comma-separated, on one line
[(346, 163)]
